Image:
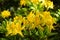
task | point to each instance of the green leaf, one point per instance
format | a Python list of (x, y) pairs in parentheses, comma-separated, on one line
[(40, 32), (46, 31)]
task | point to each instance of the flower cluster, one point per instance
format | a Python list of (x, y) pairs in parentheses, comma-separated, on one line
[(31, 17), (47, 3), (31, 21)]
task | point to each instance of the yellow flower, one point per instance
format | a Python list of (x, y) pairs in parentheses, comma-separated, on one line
[(19, 28), (5, 13), (22, 2), (25, 21), (14, 28), (18, 19), (37, 19), (35, 1), (30, 17), (48, 18), (45, 13), (47, 3), (9, 30)]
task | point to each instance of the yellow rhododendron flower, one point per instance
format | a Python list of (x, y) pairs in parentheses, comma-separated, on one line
[(48, 18), (5, 13), (37, 20), (15, 28), (18, 18), (35, 1), (22, 2), (30, 17), (31, 21), (25, 21), (47, 3), (8, 28), (49, 21), (19, 28)]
